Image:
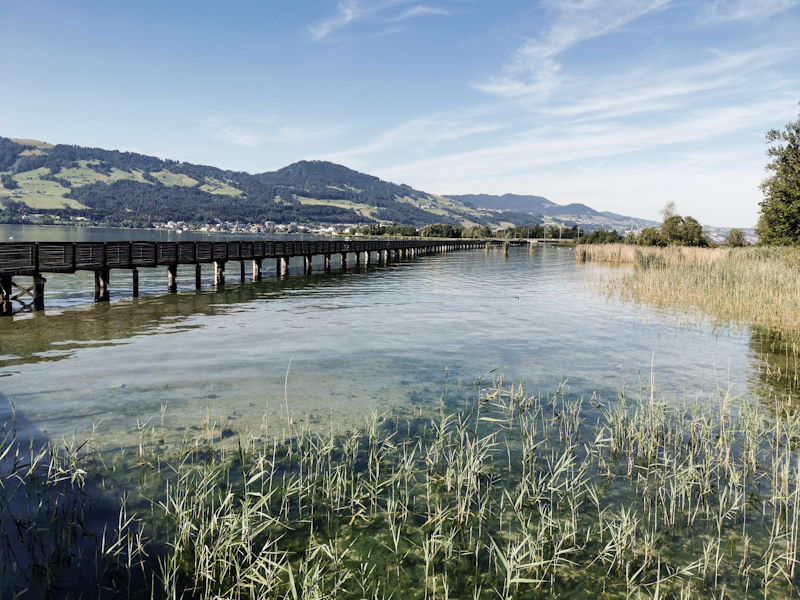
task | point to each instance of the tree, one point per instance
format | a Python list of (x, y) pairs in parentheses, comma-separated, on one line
[(691, 233), (671, 228), (736, 238), (668, 211), (8, 182), (779, 223), (650, 236)]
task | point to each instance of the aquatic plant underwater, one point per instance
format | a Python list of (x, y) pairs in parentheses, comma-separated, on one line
[(498, 494)]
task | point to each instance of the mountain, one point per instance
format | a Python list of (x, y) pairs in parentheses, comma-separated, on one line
[(539, 205), (128, 189)]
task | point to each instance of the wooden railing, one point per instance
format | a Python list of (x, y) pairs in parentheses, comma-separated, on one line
[(32, 258), (35, 258)]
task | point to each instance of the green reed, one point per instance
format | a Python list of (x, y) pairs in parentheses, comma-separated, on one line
[(500, 494), (757, 286)]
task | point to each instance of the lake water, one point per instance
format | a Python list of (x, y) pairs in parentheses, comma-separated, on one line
[(397, 337)]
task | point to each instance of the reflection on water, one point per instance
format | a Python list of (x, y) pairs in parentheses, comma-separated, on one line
[(775, 354), (388, 336)]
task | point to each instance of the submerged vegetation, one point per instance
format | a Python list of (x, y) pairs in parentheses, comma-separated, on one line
[(500, 494)]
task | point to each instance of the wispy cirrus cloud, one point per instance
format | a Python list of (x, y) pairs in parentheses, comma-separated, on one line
[(549, 145), (731, 10), (420, 135), (419, 11), (595, 162), (354, 10), (535, 70), (658, 88), (349, 10), (255, 131)]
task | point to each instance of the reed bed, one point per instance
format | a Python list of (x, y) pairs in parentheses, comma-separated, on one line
[(499, 494), (750, 286)]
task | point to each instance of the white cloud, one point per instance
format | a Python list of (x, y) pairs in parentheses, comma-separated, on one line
[(535, 70), (419, 11), (354, 10), (422, 134), (349, 10), (653, 89), (730, 10), (255, 131), (237, 135), (550, 145)]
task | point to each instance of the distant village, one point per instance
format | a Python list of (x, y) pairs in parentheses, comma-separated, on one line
[(267, 227)]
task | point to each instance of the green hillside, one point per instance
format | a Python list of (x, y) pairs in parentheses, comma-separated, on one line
[(128, 189)]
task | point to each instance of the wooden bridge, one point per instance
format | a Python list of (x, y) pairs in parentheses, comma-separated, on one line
[(32, 259)]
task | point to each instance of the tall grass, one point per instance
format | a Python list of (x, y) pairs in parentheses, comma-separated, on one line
[(502, 494), (751, 286)]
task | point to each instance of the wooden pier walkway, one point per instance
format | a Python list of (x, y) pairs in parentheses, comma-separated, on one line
[(32, 259)]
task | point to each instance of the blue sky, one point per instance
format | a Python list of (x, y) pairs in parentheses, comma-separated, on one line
[(619, 104)]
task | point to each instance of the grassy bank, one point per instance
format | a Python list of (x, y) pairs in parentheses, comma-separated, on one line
[(498, 495), (752, 286)]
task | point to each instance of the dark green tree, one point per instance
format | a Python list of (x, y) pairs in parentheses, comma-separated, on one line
[(691, 233), (650, 236), (671, 229), (736, 238), (8, 182), (779, 223)]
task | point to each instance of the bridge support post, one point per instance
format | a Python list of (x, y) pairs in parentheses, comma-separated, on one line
[(367, 258), (256, 269), (327, 262), (344, 260), (6, 309), (198, 276), (219, 273), (307, 264), (38, 291), (101, 281), (135, 277), (241, 268), (284, 266), (6, 286), (172, 278)]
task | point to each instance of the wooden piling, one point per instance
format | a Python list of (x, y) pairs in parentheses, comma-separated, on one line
[(135, 277), (284, 266), (101, 283), (327, 262), (256, 269), (344, 260), (38, 292), (219, 273), (172, 278), (6, 285)]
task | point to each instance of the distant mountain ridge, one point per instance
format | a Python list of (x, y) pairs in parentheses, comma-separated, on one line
[(131, 189), (540, 205)]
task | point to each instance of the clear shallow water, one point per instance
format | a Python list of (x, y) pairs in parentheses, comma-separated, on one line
[(390, 337)]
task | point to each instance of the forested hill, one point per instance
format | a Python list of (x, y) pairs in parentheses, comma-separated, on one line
[(130, 189)]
